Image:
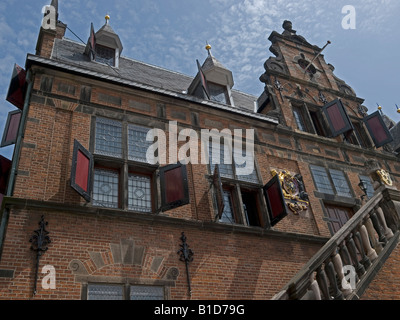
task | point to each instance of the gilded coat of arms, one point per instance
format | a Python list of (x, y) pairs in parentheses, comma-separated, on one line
[(293, 190)]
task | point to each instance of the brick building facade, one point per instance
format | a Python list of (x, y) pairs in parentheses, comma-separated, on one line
[(116, 221)]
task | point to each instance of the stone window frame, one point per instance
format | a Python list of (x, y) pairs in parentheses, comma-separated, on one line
[(125, 283), (237, 186), (124, 164), (101, 51), (360, 136), (305, 110), (332, 183)]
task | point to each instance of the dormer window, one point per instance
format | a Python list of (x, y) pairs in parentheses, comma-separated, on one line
[(105, 55), (218, 93), (104, 46), (213, 81)]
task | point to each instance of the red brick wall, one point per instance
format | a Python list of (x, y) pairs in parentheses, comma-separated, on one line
[(225, 266), (386, 285)]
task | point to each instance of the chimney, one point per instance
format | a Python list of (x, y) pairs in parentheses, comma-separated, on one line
[(50, 30)]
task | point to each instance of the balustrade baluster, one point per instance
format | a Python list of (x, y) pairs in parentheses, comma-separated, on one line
[(330, 271), (360, 247), (344, 254), (371, 253), (387, 231), (345, 285), (378, 228), (315, 288), (323, 283), (371, 231), (353, 254)]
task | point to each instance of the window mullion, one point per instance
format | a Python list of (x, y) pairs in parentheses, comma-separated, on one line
[(335, 191), (124, 185), (125, 169)]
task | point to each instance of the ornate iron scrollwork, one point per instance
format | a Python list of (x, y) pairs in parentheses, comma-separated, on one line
[(186, 255), (39, 241)]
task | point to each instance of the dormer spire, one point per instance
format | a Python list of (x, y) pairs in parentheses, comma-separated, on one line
[(54, 3)]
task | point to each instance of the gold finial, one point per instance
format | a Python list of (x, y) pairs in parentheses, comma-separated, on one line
[(208, 48), (107, 17), (379, 106)]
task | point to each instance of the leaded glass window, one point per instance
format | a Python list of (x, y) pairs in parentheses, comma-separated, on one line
[(252, 177), (331, 181), (105, 292), (218, 93), (137, 144), (105, 55), (116, 292), (225, 164), (108, 137), (105, 188), (139, 193), (321, 180), (340, 183), (227, 214), (298, 116), (146, 293)]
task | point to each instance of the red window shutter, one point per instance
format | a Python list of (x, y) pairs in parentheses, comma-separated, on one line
[(337, 117), (92, 42), (82, 171), (5, 168), (17, 88), (219, 191), (11, 128), (174, 186), (275, 200), (203, 80), (380, 134)]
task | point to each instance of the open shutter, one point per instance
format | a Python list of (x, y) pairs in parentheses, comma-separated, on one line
[(275, 200), (92, 43), (337, 117), (17, 88), (82, 171), (203, 80), (219, 191), (5, 168), (11, 128), (174, 186), (380, 134)]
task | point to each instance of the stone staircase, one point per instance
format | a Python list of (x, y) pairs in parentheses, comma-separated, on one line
[(345, 266)]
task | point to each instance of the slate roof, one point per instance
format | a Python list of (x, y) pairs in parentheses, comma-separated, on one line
[(72, 53)]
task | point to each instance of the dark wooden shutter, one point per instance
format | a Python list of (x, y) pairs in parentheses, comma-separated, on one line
[(5, 168), (11, 128), (380, 134), (219, 191), (17, 88), (203, 80), (275, 200), (92, 43), (174, 186), (338, 119), (82, 171)]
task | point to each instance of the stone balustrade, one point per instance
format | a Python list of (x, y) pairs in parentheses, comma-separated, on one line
[(347, 263)]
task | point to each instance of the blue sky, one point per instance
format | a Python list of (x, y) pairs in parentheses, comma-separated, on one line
[(172, 34)]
